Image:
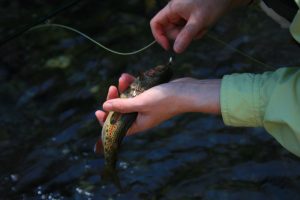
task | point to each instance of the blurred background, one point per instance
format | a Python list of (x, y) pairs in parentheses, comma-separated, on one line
[(53, 80)]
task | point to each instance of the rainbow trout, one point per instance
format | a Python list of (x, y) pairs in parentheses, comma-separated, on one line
[(117, 124)]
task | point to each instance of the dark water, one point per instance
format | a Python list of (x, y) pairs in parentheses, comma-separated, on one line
[(52, 81)]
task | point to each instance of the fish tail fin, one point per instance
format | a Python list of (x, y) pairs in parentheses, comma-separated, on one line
[(111, 175)]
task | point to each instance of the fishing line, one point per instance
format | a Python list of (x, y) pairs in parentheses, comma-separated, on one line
[(94, 41), (27, 27), (210, 36), (37, 25)]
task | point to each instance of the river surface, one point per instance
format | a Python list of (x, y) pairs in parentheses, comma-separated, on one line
[(52, 81)]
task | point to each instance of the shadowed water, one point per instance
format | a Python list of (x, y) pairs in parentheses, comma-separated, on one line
[(52, 81)]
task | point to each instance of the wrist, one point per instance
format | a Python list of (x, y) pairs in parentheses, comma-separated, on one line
[(202, 96)]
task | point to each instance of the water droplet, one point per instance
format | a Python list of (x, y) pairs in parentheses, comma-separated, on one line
[(88, 193), (85, 154), (65, 151), (76, 157), (14, 177), (79, 190), (123, 165)]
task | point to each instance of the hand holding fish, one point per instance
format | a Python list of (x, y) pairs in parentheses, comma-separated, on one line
[(163, 101), (184, 21)]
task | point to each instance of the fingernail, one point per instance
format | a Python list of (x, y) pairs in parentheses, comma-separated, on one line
[(107, 106), (177, 46)]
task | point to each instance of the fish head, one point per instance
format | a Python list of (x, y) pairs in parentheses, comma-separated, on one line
[(157, 75)]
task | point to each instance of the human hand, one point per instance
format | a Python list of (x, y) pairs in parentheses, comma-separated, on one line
[(113, 92), (163, 101), (184, 21)]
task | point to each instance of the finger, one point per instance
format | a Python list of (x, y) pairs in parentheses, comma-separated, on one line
[(136, 127), (172, 31), (101, 116), (157, 24), (173, 28), (124, 81), (186, 35), (112, 93), (133, 129), (123, 105), (200, 34)]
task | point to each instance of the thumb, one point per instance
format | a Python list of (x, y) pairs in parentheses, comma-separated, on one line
[(122, 105), (186, 35)]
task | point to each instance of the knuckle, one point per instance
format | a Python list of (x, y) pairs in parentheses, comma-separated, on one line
[(173, 5), (191, 30), (140, 105), (177, 6), (120, 107)]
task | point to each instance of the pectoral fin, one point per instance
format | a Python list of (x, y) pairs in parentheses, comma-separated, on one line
[(115, 117), (98, 148)]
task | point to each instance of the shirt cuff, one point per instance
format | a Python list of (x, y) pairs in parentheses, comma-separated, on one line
[(240, 100)]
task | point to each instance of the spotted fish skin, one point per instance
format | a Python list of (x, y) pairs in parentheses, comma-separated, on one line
[(117, 124)]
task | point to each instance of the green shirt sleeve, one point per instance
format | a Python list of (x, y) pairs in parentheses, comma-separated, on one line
[(270, 100)]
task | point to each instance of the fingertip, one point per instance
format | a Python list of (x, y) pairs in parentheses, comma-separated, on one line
[(181, 44), (162, 39), (124, 81), (177, 49), (112, 92), (186, 35), (126, 78), (122, 105), (107, 106), (112, 88), (159, 35), (101, 116), (97, 113), (164, 42)]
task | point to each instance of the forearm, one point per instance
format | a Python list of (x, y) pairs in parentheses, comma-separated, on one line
[(200, 96)]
